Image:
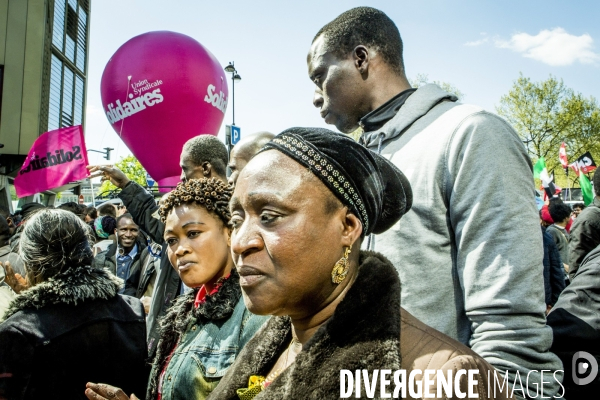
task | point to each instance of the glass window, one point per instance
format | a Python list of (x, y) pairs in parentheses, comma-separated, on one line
[(81, 33), (55, 90), (67, 103), (79, 92), (58, 30), (72, 25)]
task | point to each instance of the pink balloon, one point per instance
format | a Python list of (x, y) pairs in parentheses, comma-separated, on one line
[(158, 90)]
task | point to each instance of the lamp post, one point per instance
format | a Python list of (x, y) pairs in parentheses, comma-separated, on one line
[(234, 77)]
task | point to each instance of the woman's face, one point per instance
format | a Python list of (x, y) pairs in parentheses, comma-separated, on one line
[(198, 245), (287, 236)]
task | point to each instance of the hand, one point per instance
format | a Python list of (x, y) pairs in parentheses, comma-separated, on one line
[(101, 391), (15, 281), (146, 302), (109, 173)]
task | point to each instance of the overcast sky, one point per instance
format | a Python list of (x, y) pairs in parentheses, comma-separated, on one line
[(478, 46)]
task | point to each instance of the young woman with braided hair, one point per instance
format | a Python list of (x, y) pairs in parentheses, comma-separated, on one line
[(204, 331)]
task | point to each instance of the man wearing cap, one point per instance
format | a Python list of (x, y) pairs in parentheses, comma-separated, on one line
[(469, 253)]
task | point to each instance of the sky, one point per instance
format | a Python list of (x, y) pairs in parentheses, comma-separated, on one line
[(480, 47)]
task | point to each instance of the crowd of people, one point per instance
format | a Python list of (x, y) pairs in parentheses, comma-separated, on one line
[(417, 247)]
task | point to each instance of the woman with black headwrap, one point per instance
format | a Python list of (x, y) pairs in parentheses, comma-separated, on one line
[(300, 211)]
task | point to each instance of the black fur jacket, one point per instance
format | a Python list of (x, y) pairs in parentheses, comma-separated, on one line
[(363, 333), (72, 329), (182, 313)]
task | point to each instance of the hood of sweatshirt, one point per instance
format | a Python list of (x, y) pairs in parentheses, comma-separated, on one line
[(417, 105)]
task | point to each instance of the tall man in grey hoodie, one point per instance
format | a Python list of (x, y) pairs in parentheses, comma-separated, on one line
[(469, 253)]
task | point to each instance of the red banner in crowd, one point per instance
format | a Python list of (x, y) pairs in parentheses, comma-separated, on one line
[(55, 159), (585, 163)]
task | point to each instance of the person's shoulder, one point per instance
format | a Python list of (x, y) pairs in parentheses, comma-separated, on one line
[(590, 214), (418, 339), (424, 348), (132, 306)]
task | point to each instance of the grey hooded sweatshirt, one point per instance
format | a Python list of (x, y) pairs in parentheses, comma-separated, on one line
[(469, 252)]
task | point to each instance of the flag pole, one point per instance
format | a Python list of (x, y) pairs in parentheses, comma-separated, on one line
[(568, 182)]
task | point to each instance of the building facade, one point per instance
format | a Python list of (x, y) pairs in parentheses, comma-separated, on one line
[(43, 73)]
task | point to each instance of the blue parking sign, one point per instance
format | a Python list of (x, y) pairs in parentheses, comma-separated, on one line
[(236, 133)]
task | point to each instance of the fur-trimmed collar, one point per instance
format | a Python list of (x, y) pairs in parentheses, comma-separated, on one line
[(182, 313), (73, 286), (363, 333)]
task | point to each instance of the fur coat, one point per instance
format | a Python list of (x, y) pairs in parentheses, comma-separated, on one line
[(363, 333), (71, 329)]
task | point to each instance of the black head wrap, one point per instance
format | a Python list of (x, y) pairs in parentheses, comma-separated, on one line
[(373, 188)]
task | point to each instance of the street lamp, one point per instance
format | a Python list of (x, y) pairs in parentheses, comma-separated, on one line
[(234, 77)]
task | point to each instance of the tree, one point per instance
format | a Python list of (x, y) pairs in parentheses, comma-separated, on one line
[(423, 79), (545, 114), (130, 167)]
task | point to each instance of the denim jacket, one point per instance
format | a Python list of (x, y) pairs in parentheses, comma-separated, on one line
[(202, 342)]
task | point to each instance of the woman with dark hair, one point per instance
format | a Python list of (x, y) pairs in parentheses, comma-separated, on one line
[(204, 330), (71, 325)]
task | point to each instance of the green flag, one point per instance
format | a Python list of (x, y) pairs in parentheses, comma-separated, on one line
[(586, 188), (539, 166)]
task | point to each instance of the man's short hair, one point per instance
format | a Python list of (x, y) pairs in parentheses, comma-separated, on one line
[(75, 208), (91, 212), (107, 209), (581, 206), (367, 26), (209, 148), (596, 180), (125, 216), (559, 211)]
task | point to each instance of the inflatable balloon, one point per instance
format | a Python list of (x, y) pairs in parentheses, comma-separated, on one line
[(158, 90)]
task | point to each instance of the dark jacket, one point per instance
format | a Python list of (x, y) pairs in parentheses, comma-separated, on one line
[(72, 329), (215, 332), (585, 235), (368, 330), (554, 272), (575, 321), (141, 270), (142, 207)]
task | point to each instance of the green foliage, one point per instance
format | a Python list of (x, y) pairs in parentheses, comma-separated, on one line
[(423, 79), (545, 114), (130, 167)]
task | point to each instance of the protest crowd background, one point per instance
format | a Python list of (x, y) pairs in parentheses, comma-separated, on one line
[(425, 234)]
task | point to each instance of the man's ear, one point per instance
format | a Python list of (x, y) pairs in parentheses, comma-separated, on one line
[(206, 169), (361, 58)]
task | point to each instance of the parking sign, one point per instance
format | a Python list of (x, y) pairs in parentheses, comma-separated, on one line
[(236, 133)]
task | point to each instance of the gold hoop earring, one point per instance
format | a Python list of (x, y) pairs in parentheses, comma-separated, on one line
[(340, 269)]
